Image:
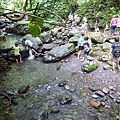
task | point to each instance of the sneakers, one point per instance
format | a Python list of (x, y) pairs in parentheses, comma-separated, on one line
[(82, 59), (116, 70)]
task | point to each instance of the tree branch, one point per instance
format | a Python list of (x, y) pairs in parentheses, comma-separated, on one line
[(21, 16)]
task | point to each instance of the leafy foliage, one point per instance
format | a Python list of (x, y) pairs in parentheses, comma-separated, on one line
[(35, 26), (104, 9)]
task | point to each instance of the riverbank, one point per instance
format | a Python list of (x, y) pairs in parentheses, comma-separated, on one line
[(60, 91), (103, 77)]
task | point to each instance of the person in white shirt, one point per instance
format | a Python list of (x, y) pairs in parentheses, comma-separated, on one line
[(29, 44), (106, 28), (77, 19)]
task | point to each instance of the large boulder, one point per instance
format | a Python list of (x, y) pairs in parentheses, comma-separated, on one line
[(37, 43), (75, 30), (2, 38), (59, 52), (96, 37), (19, 28), (46, 37), (74, 39), (106, 46)]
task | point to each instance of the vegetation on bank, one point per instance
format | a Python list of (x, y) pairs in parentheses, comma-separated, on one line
[(45, 12)]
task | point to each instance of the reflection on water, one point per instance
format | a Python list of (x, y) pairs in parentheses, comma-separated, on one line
[(30, 72), (10, 40), (33, 73)]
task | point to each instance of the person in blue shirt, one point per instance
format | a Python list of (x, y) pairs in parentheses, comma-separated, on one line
[(81, 46)]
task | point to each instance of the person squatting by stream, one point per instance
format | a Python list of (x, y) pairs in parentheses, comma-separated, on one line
[(28, 44)]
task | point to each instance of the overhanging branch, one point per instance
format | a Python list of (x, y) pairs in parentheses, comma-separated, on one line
[(20, 17)]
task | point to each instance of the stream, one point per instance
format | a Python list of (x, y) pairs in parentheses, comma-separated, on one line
[(53, 94)]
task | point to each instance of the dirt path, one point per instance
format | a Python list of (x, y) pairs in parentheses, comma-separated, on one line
[(104, 78)]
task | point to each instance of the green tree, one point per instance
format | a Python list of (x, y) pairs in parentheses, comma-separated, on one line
[(39, 12)]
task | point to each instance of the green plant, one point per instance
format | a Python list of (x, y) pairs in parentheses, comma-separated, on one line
[(90, 68)]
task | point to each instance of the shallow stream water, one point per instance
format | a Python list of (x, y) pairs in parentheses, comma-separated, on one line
[(44, 94)]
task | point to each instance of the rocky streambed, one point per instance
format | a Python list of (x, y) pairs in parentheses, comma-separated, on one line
[(60, 94), (61, 90)]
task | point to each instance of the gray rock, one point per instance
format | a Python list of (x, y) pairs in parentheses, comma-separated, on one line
[(59, 52), (96, 37), (105, 90), (93, 89), (100, 93), (65, 99), (89, 65), (95, 96), (55, 110)]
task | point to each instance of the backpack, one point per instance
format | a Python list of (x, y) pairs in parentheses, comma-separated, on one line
[(116, 50)]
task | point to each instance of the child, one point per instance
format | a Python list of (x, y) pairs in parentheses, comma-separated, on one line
[(88, 46), (81, 46), (17, 53), (115, 51)]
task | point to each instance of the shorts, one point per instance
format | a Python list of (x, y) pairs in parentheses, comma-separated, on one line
[(81, 47), (17, 56), (86, 52), (115, 59)]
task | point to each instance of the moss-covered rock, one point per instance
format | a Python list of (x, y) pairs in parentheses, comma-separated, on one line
[(89, 65)]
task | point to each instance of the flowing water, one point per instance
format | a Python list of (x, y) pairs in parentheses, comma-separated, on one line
[(44, 94)]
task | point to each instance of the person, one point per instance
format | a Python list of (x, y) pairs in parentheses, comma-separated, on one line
[(113, 25), (84, 19), (106, 28), (96, 26), (118, 25), (17, 53), (87, 46), (29, 44), (81, 46), (70, 18), (115, 52), (77, 19), (84, 27)]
